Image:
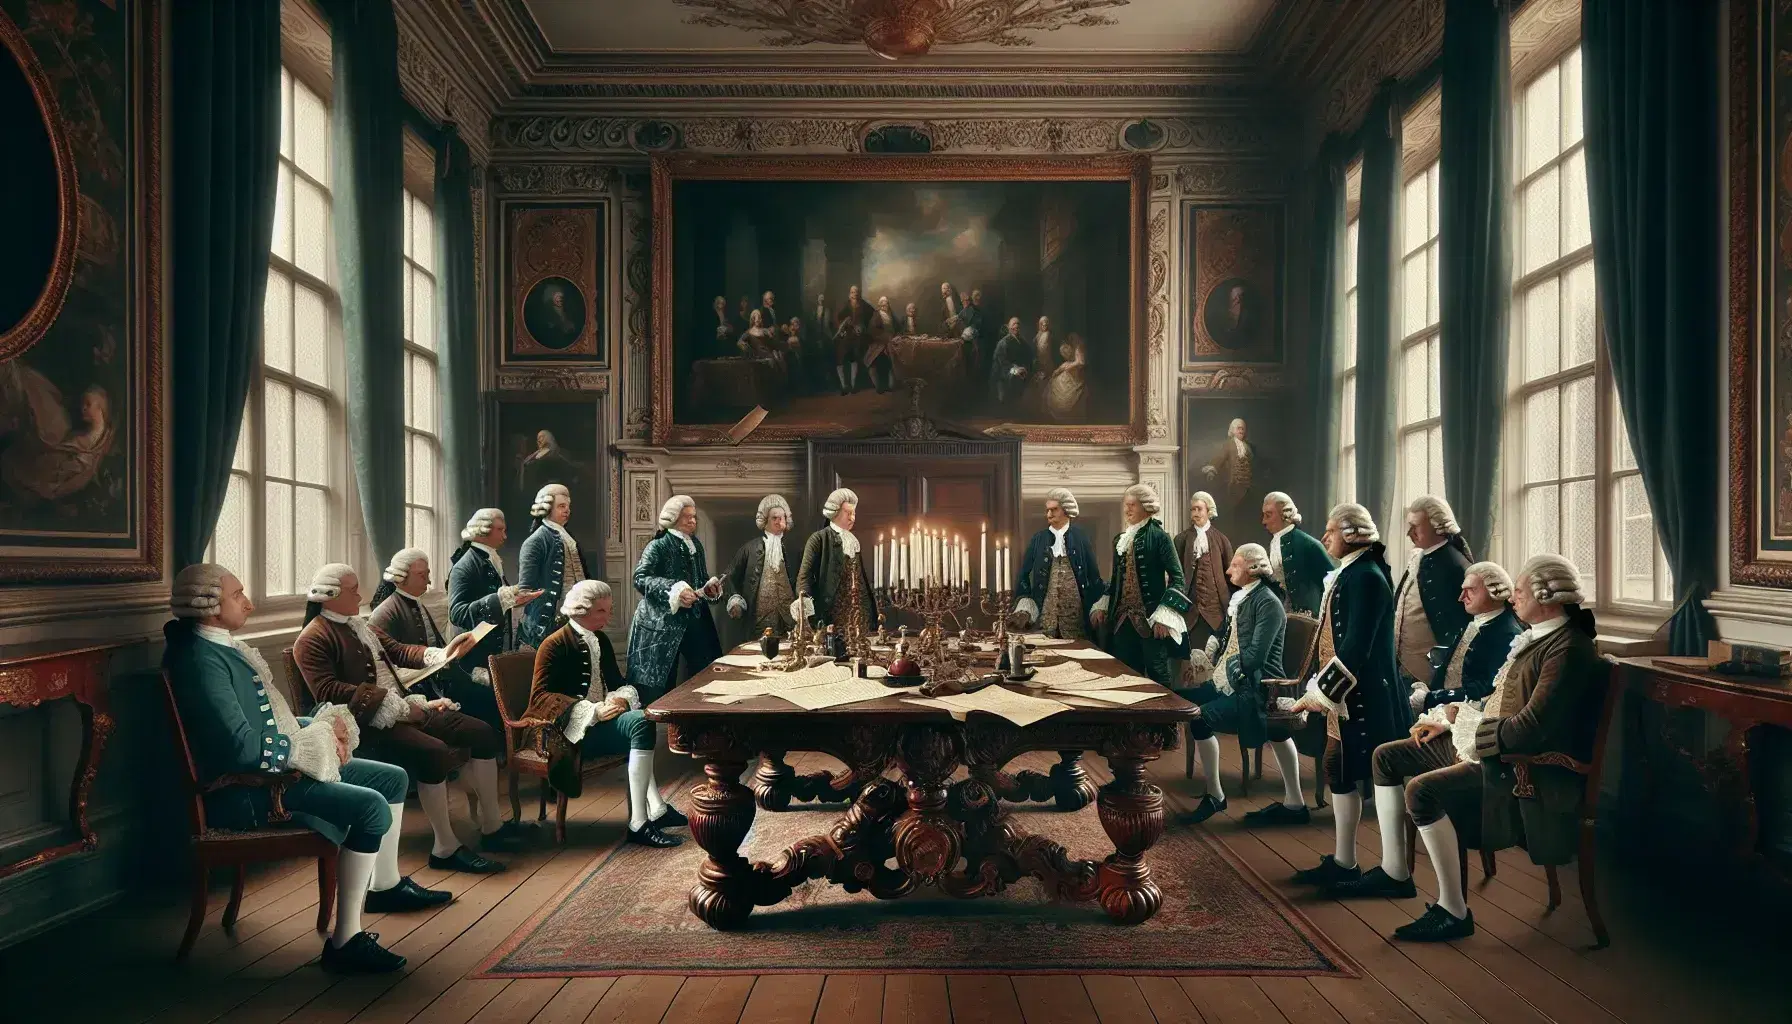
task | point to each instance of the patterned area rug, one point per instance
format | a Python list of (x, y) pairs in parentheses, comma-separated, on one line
[(627, 914)]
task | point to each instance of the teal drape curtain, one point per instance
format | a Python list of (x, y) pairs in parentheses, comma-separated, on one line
[(1377, 229), (367, 185), (1475, 278), (224, 149), (1322, 309), (458, 319), (1653, 120)]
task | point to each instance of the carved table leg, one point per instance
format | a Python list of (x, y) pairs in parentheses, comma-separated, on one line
[(771, 783), (1132, 813), (1070, 782), (776, 785), (721, 814)]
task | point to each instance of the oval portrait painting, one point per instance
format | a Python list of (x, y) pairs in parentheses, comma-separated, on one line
[(1233, 314), (554, 313), (37, 191)]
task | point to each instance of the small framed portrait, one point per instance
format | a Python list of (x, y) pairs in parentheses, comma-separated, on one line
[(1233, 287), (555, 270), (535, 438)]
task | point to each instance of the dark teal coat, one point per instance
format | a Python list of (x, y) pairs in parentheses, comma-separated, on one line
[(656, 633), (1304, 565)]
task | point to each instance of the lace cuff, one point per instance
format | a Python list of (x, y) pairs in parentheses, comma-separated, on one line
[(628, 693), (802, 609), (1026, 606), (1420, 692), (736, 603), (393, 709), (433, 656), (1170, 619), (507, 597), (330, 712), (672, 595), (1436, 716), (1317, 698), (1100, 606), (1468, 720), (314, 752), (578, 720)]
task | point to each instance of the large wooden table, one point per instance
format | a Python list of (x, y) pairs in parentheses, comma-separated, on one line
[(922, 818)]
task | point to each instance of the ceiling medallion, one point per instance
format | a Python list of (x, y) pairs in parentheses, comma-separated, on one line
[(896, 29)]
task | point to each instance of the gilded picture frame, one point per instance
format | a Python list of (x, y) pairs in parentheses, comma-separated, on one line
[(556, 272), (1233, 284)]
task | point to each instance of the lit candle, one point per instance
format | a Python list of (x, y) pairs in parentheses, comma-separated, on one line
[(983, 556), (877, 562), (964, 564), (1007, 568)]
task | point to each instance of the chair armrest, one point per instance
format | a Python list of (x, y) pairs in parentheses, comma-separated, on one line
[(274, 783), (1521, 768)]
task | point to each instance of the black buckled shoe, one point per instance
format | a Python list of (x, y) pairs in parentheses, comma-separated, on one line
[(671, 817), (1277, 813), (648, 835), (507, 839), (361, 955), (1371, 884), (1207, 808), (1437, 925), (407, 895), (466, 860), (1328, 873)]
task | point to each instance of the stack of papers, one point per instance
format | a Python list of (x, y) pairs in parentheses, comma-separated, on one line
[(1018, 708), (851, 691), (1085, 654), (742, 660)]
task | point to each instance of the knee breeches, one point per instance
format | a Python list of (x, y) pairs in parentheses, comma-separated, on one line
[(431, 748), (628, 731), (358, 804)]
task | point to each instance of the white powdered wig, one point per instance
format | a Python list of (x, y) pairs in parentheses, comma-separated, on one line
[(1213, 510), (400, 567), (1438, 511), (1065, 500), (1496, 579), (481, 522), (766, 506), (1256, 559), (1553, 579), (1354, 522), (326, 582), (840, 496), (1281, 502), (1146, 496), (544, 499), (198, 589), (673, 508), (583, 595)]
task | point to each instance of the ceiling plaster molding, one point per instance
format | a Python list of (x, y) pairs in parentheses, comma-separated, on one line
[(1401, 46), (457, 48)]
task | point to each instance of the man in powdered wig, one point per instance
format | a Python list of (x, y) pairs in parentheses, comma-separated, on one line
[(1140, 618), (1059, 578), (1428, 608), (1356, 630), (551, 561), (673, 636), (1206, 556), (478, 591), (1246, 650), (832, 585), (238, 722), (1299, 561), (1546, 698), (579, 689), (763, 576), (346, 661), (398, 612)]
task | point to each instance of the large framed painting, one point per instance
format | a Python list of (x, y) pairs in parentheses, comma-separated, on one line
[(1238, 448), (81, 458), (826, 290), (537, 438), (1232, 289), (554, 271), (1760, 295)]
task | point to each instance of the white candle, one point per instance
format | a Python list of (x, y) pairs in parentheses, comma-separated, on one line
[(983, 555), (964, 564), (1007, 568), (878, 562)]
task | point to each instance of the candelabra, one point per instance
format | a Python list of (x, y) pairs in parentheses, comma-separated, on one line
[(998, 604), (932, 602)]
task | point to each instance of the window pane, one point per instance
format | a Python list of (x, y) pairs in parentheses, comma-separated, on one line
[(1542, 521), (286, 113), (277, 433), (1541, 436), (1350, 250), (1635, 540), (276, 320), (1414, 453), (1347, 476), (423, 236), (1542, 324), (1413, 276), (311, 425), (1433, 293), (1436, 443), (1413, 212), (1623, 456), (312, 525), (1435, 177), (1540, 213), (409, 407), (410, 330), (311, 133), (1580, 437), (423, 471), (423, 394), (1349, 331), (405, 235), (281, 244), (311, 335), (1542, 115), (230, 541), (239, 459), (424, 312), (1347, 413), (311, 230), (1579, 532), (276, 555), (1414, 374), (420, 529), (1579, 316), (1577, 229), (1571, 98)]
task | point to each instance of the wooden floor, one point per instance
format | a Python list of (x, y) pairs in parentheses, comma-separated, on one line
[(1669, 961)]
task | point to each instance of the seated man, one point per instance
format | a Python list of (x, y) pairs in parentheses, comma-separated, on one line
[(579, 688), (1545, 698), (1247, 650), (346, 661), (399, 613), (1467, 676), (237, 723)]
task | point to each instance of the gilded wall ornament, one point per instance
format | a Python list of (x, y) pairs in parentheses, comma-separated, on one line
[(898, 29)]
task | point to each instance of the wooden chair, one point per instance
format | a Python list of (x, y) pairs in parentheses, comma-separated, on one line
[(217, 847), (1309, 739), (525, 739), (1297, 635)]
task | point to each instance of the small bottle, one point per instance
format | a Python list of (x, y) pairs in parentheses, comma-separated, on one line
[(858, 668), (768, 645), (1017, 656)]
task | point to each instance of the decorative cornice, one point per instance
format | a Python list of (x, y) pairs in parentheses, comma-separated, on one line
[(597, 381), (1402, 46), (554, 179), (1230, 179), (1233, 380)]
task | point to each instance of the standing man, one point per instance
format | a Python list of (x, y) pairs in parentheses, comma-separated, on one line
[(832, 586), (1045, 348), (911, 320), (673, 636), (768, 313), (1205, 554), (1059, 579), (1010, 366), (1140, 618), (1229, 470), (551, 561), (851, 326), (1428, 609), (1357, 630), (478, 591), (1300, 562), (819, 330), (763, 575)]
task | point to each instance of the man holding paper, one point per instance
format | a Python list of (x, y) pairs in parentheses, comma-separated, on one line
[(673, 636)]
